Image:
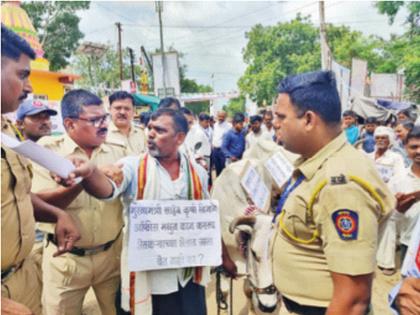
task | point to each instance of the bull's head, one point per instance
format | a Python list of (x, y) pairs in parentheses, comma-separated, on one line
[(260, 277)]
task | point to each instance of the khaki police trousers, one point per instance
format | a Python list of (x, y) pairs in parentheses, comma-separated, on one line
[(25, 285), (68, 277)]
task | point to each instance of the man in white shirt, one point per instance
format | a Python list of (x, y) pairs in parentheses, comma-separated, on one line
[(409, 182), (256, 134), (388, 163), (164, 173), (201, 133), (268, 123), (220, 128), (402, 184)]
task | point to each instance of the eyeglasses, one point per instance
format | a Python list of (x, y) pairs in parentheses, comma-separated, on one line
[(95, 121)]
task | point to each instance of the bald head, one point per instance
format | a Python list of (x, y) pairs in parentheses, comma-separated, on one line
[(221, 116)]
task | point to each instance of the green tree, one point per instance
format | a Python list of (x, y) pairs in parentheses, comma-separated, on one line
[(403, 52), (346, 44), (102, 73), (235, 105), (391, 8), (58, 28), (191, 86), (273, 52)]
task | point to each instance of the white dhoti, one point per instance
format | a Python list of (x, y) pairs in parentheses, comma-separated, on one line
[(385, 255)]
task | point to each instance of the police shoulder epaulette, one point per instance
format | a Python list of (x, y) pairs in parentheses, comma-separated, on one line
[(115, 142), (49, 140), (336, 172)]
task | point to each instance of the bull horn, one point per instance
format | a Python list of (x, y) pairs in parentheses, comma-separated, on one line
[(246, 220)]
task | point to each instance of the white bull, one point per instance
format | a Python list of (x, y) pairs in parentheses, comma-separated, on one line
[(259, 284), (233, 201)]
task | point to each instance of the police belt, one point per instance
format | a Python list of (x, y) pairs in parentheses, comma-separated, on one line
[(85, 251), (300, 309), (6, 274)]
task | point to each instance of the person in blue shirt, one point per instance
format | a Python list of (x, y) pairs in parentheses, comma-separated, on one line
[(349, 125), (368, 138), (233, 145)]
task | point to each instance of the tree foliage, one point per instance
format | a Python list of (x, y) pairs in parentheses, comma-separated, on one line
[(102, 74), (403, 52), (273, 52), (235, 105), (191, 86), (391, 8), (58, 27)]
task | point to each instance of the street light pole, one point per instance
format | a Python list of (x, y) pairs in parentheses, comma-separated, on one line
[(159, 9), (133, 78), (118, 24), (325, 52)]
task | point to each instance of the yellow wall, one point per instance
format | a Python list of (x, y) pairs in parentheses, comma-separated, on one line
[(44, 84)]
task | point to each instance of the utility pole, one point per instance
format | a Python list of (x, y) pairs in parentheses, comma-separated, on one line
[(325, 51), (159, 9), (149, 64), (133, 78), (118, 24)]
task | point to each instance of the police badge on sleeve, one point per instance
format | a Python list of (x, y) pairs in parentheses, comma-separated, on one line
[(346, 223)]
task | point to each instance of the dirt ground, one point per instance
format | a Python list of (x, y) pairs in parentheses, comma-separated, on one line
[(381, 287)]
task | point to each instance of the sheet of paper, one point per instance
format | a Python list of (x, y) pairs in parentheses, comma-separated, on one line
[(279, 168), (255, 187), (165, 234), (40, 155), (385, 171)]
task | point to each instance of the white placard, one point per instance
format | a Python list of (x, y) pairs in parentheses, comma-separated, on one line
[(385, 171), (279, 168), (255, 187), (165, 234), (43, 156)]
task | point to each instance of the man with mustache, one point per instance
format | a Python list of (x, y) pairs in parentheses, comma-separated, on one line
[(403, 181), (21, 284), (94, 261), (387, 162), (121, 128), (407, 182), (330, 209), (164, 173), (33, 119)]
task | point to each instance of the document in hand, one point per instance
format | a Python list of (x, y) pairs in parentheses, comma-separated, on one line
[(40, 155)]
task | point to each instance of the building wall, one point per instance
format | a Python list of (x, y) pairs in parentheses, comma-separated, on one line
[(47, 85)]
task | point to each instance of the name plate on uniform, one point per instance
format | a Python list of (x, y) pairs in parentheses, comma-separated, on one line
[(279, 168), (166, 234)]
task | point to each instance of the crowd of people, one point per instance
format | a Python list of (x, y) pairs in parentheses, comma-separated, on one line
[(354, 193)]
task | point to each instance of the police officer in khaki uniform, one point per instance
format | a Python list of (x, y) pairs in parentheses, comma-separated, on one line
[(121, 128), (20, 271), (95, 260), (328, 215)]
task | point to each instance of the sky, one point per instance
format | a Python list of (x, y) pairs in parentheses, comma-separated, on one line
[(211, 35)]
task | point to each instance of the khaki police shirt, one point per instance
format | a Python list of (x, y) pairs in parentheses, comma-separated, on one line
[(98, 221), (17, 214), (135, 142), (302, 271)]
